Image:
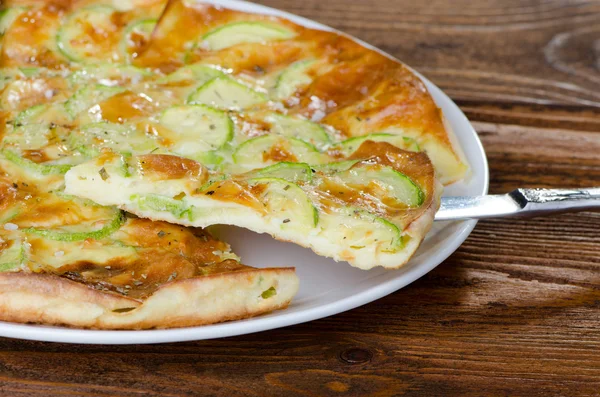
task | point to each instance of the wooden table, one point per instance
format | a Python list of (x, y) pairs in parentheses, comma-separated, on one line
[(515, 311)]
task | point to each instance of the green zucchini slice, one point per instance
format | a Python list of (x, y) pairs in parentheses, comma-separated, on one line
[(349, 146), (12, 257), (196, 73), (387, 182), (136, 34), (302, 129), (293, 172), (91, 138), (86, 97), (269, 149), (8, 16), (226, 93), (358, 229), (40, 169), (287, 203), (292, 78), (87, 230), (75, 38), (108, 74), (244, 32), (196, 129)]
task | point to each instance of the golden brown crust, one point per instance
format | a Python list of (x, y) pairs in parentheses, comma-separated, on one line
[(52, 300)]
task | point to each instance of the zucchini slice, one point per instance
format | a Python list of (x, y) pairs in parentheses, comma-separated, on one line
[(44, 114), (10, 75), (108, 74), (384, 181), (302, 129), (293, 172), (20, 94), (55, 254), (292, 78), (349, 146), (196, 129), (287, 203), (11, 211), (8, 16), (94, 230), (244, 32), (136, 35), (359, 229), (32, 72), (333, 168), (86, 97), (269, 149), (155, 202), (40, 169), (91, 138), (12, 257), (196, 73), (28, 137), (78, 38), (226, 93)]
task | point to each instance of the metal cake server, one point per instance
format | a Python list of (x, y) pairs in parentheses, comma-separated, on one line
[(519, 203)]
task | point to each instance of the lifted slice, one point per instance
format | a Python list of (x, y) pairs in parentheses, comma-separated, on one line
[(287, 200)]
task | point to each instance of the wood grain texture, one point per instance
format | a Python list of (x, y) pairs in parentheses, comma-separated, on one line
[(515, 311)]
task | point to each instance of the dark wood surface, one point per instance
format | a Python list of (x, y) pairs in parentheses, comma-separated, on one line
[(515, 311)]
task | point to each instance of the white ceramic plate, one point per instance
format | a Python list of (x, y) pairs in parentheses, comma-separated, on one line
[(326, 287)]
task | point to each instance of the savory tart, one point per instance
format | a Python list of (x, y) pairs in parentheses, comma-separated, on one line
[(193, 114)]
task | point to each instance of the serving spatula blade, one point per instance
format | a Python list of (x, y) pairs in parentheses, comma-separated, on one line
[(519, 202)]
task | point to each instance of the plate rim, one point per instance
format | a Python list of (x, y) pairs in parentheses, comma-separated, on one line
[(59, 334)]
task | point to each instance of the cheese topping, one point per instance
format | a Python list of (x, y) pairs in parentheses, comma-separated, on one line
[(180, 113)]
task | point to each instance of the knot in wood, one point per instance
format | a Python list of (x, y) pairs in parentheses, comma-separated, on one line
[(356, 355)]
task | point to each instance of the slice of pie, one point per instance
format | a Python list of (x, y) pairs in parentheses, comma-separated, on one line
[(372, 209)]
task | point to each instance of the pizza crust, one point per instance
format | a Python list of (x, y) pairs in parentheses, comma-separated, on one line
[(53, 300)]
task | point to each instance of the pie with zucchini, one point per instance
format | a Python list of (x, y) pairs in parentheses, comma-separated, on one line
[(130, 127)]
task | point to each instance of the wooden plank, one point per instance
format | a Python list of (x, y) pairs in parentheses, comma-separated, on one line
[(515, 311)]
